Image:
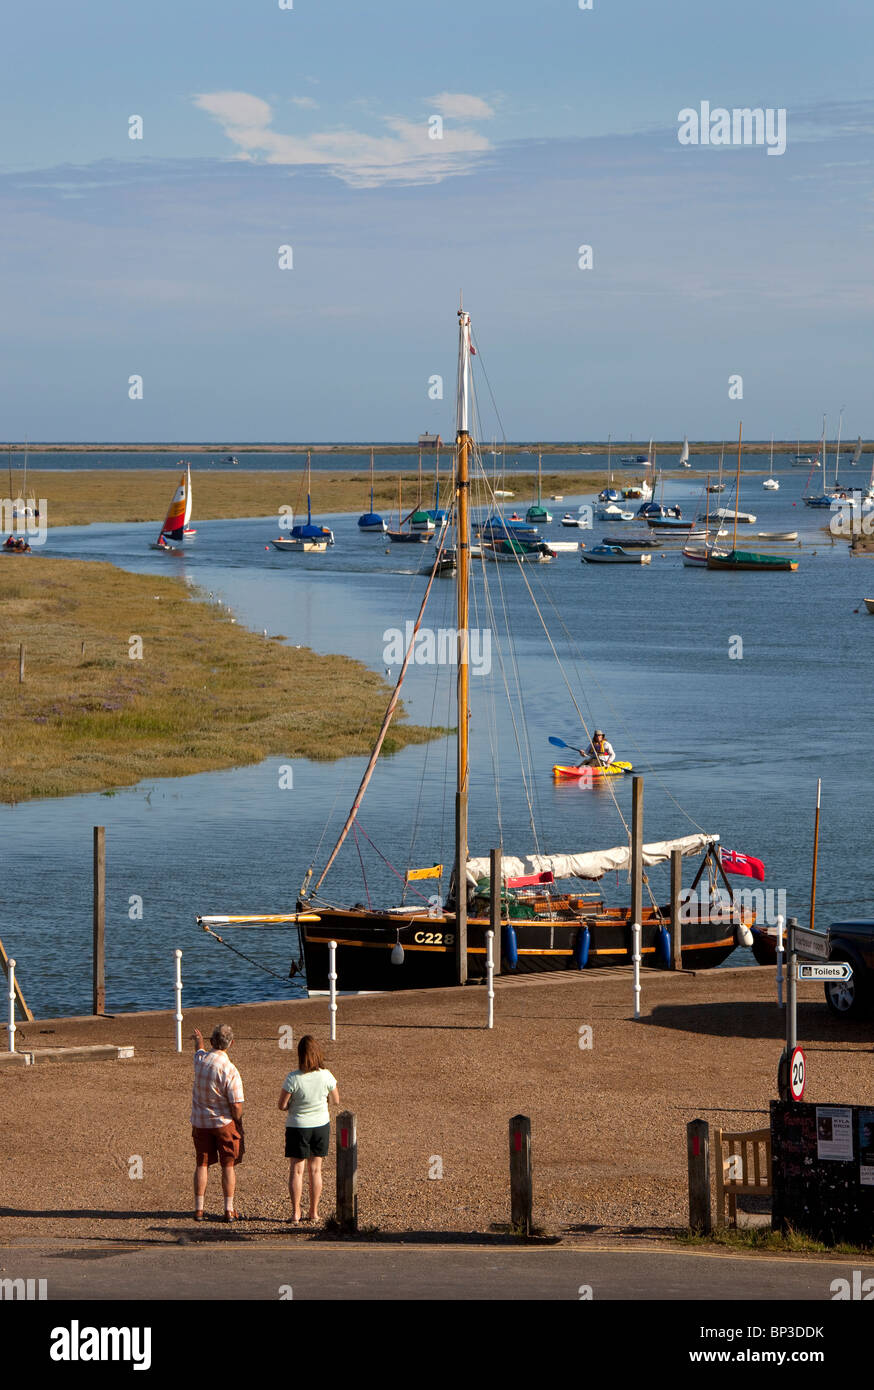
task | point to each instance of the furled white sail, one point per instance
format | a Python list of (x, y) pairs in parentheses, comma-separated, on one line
[(592, 865)]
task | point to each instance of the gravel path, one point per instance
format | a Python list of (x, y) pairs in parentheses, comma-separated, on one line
[(427, 1082)]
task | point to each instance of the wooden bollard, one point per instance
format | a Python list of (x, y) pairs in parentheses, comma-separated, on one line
[(676, 924), (698, 1154), (98, 1005), (521, 1185), (347, 1172)]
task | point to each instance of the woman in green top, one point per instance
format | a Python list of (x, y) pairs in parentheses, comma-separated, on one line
[(304, 1096)]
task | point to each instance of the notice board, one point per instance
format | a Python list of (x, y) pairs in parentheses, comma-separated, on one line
[(822, 1159)]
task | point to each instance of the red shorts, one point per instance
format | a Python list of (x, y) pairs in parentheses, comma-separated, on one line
[(224, 1145)]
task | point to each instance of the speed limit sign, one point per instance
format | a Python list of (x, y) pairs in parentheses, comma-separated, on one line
[(797, 1074)]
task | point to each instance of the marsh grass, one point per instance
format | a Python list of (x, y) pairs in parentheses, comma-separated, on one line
[(87, 495), (762, 1238), (206, 694)]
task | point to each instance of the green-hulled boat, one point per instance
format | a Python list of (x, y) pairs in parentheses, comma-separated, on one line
[(749, 560)]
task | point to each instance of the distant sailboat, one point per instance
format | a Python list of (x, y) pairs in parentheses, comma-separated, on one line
[(538, 513), (771, 483), (684, 454), (369, 521), (188, 530), (308, 537), (736, 559), (857, 453), (178, 513)]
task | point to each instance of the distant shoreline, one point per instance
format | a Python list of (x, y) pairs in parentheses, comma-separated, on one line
[(532, 447)]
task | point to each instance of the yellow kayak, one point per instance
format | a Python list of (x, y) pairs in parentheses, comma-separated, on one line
[(611, 770)]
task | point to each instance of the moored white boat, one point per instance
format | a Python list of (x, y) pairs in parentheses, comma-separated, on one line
[(614, 555)]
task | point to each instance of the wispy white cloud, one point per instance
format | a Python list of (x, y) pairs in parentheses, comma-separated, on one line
[(306, 102), (407, 154), (462, 106)]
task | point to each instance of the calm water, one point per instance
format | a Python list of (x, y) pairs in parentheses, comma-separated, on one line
[(515, 461), (735, 745)]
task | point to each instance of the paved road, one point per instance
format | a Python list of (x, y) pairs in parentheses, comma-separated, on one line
[(249, 1271)]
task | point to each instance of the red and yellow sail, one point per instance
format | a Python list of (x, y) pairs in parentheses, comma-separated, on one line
[(174, 524)]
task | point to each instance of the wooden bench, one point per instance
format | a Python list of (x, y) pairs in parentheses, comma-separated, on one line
[(743, 1169)]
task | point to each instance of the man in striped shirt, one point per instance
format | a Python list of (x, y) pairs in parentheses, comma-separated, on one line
[(216, 1116)]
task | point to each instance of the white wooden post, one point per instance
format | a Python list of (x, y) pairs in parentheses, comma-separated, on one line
[(490, 975), (635, 937), (332, 987), (178, 954), (780, 962), (10, 1027)]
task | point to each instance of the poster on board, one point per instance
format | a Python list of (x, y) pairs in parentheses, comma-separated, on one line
[(834, 1132), (866, 1148)]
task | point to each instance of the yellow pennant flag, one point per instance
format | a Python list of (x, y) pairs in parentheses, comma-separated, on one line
[(436, 871)]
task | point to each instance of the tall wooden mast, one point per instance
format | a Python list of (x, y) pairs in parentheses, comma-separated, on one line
[(462, 498)]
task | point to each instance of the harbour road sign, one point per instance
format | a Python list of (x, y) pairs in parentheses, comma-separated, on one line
[(809, 943), (828, 970), (797, 1074)]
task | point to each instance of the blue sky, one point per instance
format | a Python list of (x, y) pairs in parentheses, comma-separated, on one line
[(309, 127)]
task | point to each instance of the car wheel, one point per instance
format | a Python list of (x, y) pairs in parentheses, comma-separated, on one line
[(847, 998)]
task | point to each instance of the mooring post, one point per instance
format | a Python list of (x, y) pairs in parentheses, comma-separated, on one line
[(332, 987), (20, 662), (781, 952), (698, 1153), (10, 1026), (496, 877), (791, 987), (676, 922), (99, 963), (490, 976), (636, 884), (521, 1185), (178, 954), (347, 1172)]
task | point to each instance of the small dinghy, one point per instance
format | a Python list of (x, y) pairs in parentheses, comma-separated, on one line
[(177, 518), (777, 535), (614, 555), (611, 512), (728, 514), (639, 542), (869, 604), (568, 520)]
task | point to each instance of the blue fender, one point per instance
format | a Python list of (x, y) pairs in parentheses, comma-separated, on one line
[(509, 945), (663, 945), (581, 948)]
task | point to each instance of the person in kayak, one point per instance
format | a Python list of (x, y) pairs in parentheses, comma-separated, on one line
[(599, 752)]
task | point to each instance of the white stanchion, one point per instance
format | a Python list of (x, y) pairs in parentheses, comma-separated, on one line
[(178, 954), (10, 1026), (332, 986), (780, 949), (636, 957), (490, 975)]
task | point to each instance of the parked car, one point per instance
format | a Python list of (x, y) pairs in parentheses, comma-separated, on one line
[(852, 942)]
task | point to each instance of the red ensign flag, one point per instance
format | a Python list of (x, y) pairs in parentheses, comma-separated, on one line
[(734, 863)]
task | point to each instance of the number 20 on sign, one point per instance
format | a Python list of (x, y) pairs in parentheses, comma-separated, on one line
[(797, 1074)]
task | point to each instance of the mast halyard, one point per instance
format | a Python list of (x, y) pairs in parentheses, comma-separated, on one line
[(462, 514)]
